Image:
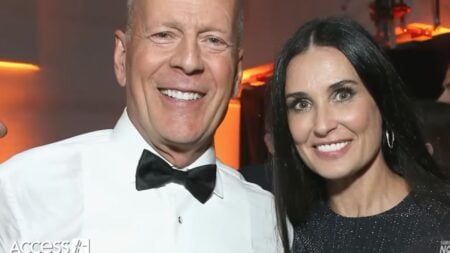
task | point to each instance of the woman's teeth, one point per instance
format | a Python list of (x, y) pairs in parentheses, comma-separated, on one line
[(332, 147)]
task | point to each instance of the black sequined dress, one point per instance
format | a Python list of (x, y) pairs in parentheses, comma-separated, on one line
[(407, 227)]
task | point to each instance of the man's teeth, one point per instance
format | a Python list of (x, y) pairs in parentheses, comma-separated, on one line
[(181, 95), (332, 147)]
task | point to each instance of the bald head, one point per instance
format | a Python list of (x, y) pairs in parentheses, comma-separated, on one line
[(239, 22)]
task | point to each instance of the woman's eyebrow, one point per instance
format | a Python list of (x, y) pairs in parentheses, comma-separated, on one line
[(297, 94), (340, 84)]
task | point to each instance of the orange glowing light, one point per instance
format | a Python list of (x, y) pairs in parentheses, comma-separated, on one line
[(18, 66), (257, 76), (227, 137), (418, 32)]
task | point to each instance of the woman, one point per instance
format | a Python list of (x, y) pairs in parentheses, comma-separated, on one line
[(351, 173)]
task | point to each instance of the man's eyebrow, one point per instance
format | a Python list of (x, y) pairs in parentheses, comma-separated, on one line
[(170, 24), (177, 24), (213, 29)]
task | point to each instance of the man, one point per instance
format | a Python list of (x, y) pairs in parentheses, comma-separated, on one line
[(259, 173), (435, 117), (179, 62), (445, 95), (435, 120), (3, 129)]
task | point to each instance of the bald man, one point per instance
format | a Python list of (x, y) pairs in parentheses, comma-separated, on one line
[(445, 95), (153, 182), (3, 129)]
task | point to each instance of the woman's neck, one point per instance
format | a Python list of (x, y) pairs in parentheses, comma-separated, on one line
[(372, 191)]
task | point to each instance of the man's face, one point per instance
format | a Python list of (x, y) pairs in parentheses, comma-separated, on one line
[(180, 63), (445, 95)]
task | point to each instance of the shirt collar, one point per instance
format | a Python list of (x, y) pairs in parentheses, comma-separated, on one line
[(132, 144)]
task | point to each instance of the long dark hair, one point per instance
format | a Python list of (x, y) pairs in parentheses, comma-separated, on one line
[(296, 187)]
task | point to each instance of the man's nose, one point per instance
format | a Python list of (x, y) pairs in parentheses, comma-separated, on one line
[(188, 57)]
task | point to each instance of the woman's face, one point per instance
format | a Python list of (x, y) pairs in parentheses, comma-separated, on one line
[(334, 121)]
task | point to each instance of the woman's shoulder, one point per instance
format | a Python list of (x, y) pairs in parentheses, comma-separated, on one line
[(434, 206)]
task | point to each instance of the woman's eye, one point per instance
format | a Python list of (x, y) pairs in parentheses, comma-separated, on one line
[(300, 105), (344, 94)]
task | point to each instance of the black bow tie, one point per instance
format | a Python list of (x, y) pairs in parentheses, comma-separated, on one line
[(154, 172)]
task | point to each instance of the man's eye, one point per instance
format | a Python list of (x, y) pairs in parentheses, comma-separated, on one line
[(215, 43), (161, 37)]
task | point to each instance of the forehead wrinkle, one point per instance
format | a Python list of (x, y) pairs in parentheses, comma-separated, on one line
[(190, 16), (196, 7)]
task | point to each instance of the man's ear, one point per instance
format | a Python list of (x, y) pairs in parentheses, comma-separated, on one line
[(238, 76), (120, 55)]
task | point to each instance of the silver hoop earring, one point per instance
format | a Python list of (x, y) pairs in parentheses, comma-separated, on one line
[(390, 138)]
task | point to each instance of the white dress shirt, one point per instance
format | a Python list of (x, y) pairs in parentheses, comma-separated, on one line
[(84, 187)]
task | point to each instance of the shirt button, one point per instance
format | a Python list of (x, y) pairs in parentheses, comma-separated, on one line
[(180, 220)]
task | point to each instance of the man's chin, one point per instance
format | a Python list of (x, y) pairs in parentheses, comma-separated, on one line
[(188, 145)]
